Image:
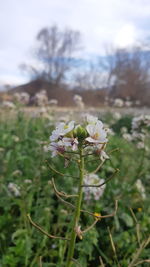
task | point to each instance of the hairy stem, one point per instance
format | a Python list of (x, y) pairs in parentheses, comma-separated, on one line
[(77, 212)]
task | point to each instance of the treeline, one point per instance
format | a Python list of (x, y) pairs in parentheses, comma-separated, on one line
[(124, 73)]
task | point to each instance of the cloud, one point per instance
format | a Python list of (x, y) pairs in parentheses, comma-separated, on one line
[(126, 36), (100, 22)]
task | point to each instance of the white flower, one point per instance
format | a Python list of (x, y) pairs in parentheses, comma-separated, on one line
[(91, 119), (97, 192), (61, 130), (70, 142), (118, 102), (14, 189), (140, 145), (56, 148), (28, 181), (124, 130), (127, 137), (116, 115), (8, 104), (103, 155), (141, 188), (97, 133)]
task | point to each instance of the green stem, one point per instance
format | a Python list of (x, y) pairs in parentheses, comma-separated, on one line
[(77, 211)]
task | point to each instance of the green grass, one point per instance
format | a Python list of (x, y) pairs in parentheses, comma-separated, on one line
[(22, 157)]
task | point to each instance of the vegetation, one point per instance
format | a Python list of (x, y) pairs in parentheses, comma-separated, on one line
[(26, 188)]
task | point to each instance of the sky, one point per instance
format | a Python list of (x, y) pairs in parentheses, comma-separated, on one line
[(101, 23)]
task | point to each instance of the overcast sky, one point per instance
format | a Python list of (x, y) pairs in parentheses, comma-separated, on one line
[(101, 22)]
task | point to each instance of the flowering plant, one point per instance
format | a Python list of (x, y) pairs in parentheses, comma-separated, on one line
[(78, 142)]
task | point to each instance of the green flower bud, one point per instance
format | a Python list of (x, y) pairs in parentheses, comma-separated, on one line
[(80, 133)]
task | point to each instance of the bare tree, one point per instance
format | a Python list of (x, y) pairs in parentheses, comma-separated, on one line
[(93, 77), (130, 72), (54, 52)]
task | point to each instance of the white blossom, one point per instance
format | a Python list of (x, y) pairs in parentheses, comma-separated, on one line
[(8, 105), (56, 148), (14, 189), (140, 188), (91, 119), (97, 134), (118, 103), (95, 192), (61, 130)]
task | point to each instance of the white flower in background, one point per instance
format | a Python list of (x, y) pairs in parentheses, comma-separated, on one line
[(124, 130), (140, 188), (140, 129), (95, 192), (128, 104), (103, 155), (14, 189), (61, 130), (127, 137), (116, 115), (41, 98), (77, 98), (78, 101), (15, 138), (45, 148), (97, 134), (140, 145), (118, 103), (53, 102), (109, 130), (91, 119), (28, 181), (22, 98), (8, 105)]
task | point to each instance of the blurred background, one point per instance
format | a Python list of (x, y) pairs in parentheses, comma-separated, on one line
[(99, 50)]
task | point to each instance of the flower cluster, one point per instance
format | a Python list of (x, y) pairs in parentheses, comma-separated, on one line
[(78, 101), (139, 131), (95, 192), (14, 189), (22, 98), (68, 136), (41, 98)]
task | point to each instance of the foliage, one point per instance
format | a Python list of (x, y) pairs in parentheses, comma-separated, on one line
[(22, 158)]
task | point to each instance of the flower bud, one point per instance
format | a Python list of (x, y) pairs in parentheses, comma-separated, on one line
[(80, 133)]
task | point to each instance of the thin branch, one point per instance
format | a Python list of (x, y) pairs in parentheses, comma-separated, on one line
[(85, 211), (113, 150), (43, 231), (137, 254), (40, 261), (112, 214), (148, 260), (90, 227), (103, 216), (60, 173), (107, 180), (52, 169), (101, 262), (78, 264), (133, 215), (98, 168), (113, 246), (61, 199), (137, 226), (61, 193)]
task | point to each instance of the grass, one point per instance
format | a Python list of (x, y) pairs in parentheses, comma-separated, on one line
[(22, 158)]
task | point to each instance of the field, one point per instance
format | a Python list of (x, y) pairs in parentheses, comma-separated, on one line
[(26, 173)]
